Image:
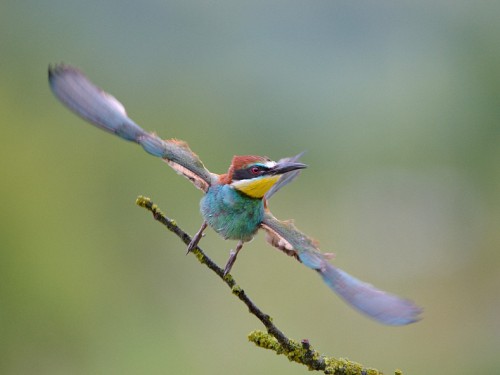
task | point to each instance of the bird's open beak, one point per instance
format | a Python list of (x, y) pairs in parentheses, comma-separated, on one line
[(286, 166)]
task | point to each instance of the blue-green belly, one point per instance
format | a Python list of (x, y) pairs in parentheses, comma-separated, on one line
[(230, 213)]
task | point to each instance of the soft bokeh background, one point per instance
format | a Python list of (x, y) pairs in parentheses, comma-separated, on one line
[(398, 107)]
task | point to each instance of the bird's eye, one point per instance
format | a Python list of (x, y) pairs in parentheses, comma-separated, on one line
[(255, 170)]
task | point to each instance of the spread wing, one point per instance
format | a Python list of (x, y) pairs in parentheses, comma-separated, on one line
[(384, 307), (80, 95)]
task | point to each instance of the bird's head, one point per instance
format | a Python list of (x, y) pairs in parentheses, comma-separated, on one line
[(255, 175)]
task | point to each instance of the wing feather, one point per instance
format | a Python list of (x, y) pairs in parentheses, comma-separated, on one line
[(101, 109), (384, 307)]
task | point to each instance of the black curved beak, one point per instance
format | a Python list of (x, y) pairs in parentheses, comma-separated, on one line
[(285, 166)]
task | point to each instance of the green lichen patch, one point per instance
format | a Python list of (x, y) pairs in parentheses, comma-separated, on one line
[(265, 340), (236, 290), (142, 201), (199, 255), (295, 352), (345, 367)]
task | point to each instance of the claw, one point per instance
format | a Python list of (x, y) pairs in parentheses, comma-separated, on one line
[(192, 245)]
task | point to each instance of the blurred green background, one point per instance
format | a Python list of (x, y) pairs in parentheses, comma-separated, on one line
[(398, 108)]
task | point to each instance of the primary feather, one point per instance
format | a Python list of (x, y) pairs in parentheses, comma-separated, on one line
[(88, 101), (382, 306)]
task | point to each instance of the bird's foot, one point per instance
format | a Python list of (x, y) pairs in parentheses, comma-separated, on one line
[(230, 262), (196, 238), (232, 258)]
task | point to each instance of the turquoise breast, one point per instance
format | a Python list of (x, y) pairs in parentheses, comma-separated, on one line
[(230, 213)]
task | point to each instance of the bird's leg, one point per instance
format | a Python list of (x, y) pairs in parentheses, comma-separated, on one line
[(232, 258), (197, 237)]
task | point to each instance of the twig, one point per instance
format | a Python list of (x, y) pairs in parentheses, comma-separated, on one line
[(274, 338)]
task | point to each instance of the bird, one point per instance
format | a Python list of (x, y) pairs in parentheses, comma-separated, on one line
[(235, 204)]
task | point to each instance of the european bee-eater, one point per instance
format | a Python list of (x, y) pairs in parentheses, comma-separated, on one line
[(235, 203)]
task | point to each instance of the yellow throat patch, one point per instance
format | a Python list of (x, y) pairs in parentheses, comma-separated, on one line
[(256, 187)]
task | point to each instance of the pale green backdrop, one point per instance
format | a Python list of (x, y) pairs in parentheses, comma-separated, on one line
[(398, 107)]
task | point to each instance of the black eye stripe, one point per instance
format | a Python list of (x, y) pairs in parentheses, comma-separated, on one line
[(247, 173)]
